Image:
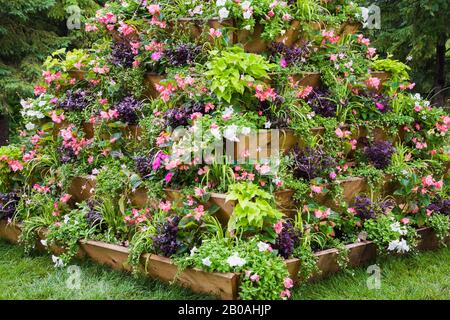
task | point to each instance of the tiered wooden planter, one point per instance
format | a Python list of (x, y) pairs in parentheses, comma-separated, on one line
[(195, 28), (223, 285)]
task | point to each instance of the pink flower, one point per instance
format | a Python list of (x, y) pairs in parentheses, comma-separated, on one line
[(283, 63), (404, 220), (428, 181), (255, 277), (165, 206), (90, 159), (90, 27), (305, 92), (15, 165), (285, 294), (199, 212), (65, 198), (38, 90), (168, 177), (125, 29), (265, 94), (29, 156), (371, 52), (154, 9), (288, 283), (332, 175), (373, 83), (156, 55), (215, 33), (57, 119), (333, 57), (278, 227), (316, 189), (438, 184), (199, 192)]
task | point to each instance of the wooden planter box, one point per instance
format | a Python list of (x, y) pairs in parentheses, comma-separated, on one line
[(222, 285), (253, 43), (195, 28), (150, 81), (349, 28), (4, 130), (10, 231)]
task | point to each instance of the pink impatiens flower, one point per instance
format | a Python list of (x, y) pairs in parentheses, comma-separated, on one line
[(288, 283), (373, 83), (165, 206), (316, 189), (278, 227)]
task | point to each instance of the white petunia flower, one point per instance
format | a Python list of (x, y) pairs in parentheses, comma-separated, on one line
[(230, 133), (262, 246), (57, 261), (66, 218), (194, 250), (246, 5), (224, 13), (235, 261), (398, 228), (267, 125), (247, 14), (399, 245), (30, 126), (221, 3), (206, 262)]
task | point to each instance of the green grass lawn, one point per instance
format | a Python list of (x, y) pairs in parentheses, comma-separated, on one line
[(425, 276)]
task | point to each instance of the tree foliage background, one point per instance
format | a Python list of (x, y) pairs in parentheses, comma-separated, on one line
[(29, 31), (419, 29)]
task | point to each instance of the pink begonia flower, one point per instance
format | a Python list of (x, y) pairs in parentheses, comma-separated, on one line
[(29, 156), (285, 294), (15, 165), (65, 198), (154, 9), (215, 33), (57, 119), (199, 192), (373, 83), (278, 227), (305, 92), (38, 90), (316, 189), (427, 181), (255, 277), (199, 212), (332, 175), (156, 55), (404, 220), (288, 283), (283, 63), (136, 63), (165, 206)]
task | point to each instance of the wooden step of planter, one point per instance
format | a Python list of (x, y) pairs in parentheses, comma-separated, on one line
[(223, 285), (151, 80), (103, 253), (10, 231), (349, 28), (196, 28), (359, 254)]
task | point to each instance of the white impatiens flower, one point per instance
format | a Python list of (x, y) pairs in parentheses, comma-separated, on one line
[(224, 13), (57, 261), (221, 3), (230, 133), (235, 261), (44, 243), (396, 227), (262, 246), (267, 125), (399, 245), (66, 219), (206, 262)]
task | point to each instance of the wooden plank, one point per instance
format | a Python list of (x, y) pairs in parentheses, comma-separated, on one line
[(223, 285), (10, 231), (103, 253)]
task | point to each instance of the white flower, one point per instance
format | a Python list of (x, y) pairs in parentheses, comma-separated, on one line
[(246, 131), (247, 14), (206, 262), (409, 58), (400, 245), (66, 218), (221, 3), (227, 113), (235, 261), (417, 96), (223, 13), (216, 133), (30, 126), (44, 243), (262, 246), (247, 27), (426, 103), (398, 228), (230, 133), (58, 262), (194, 250), (267, 125), (246, 5)]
